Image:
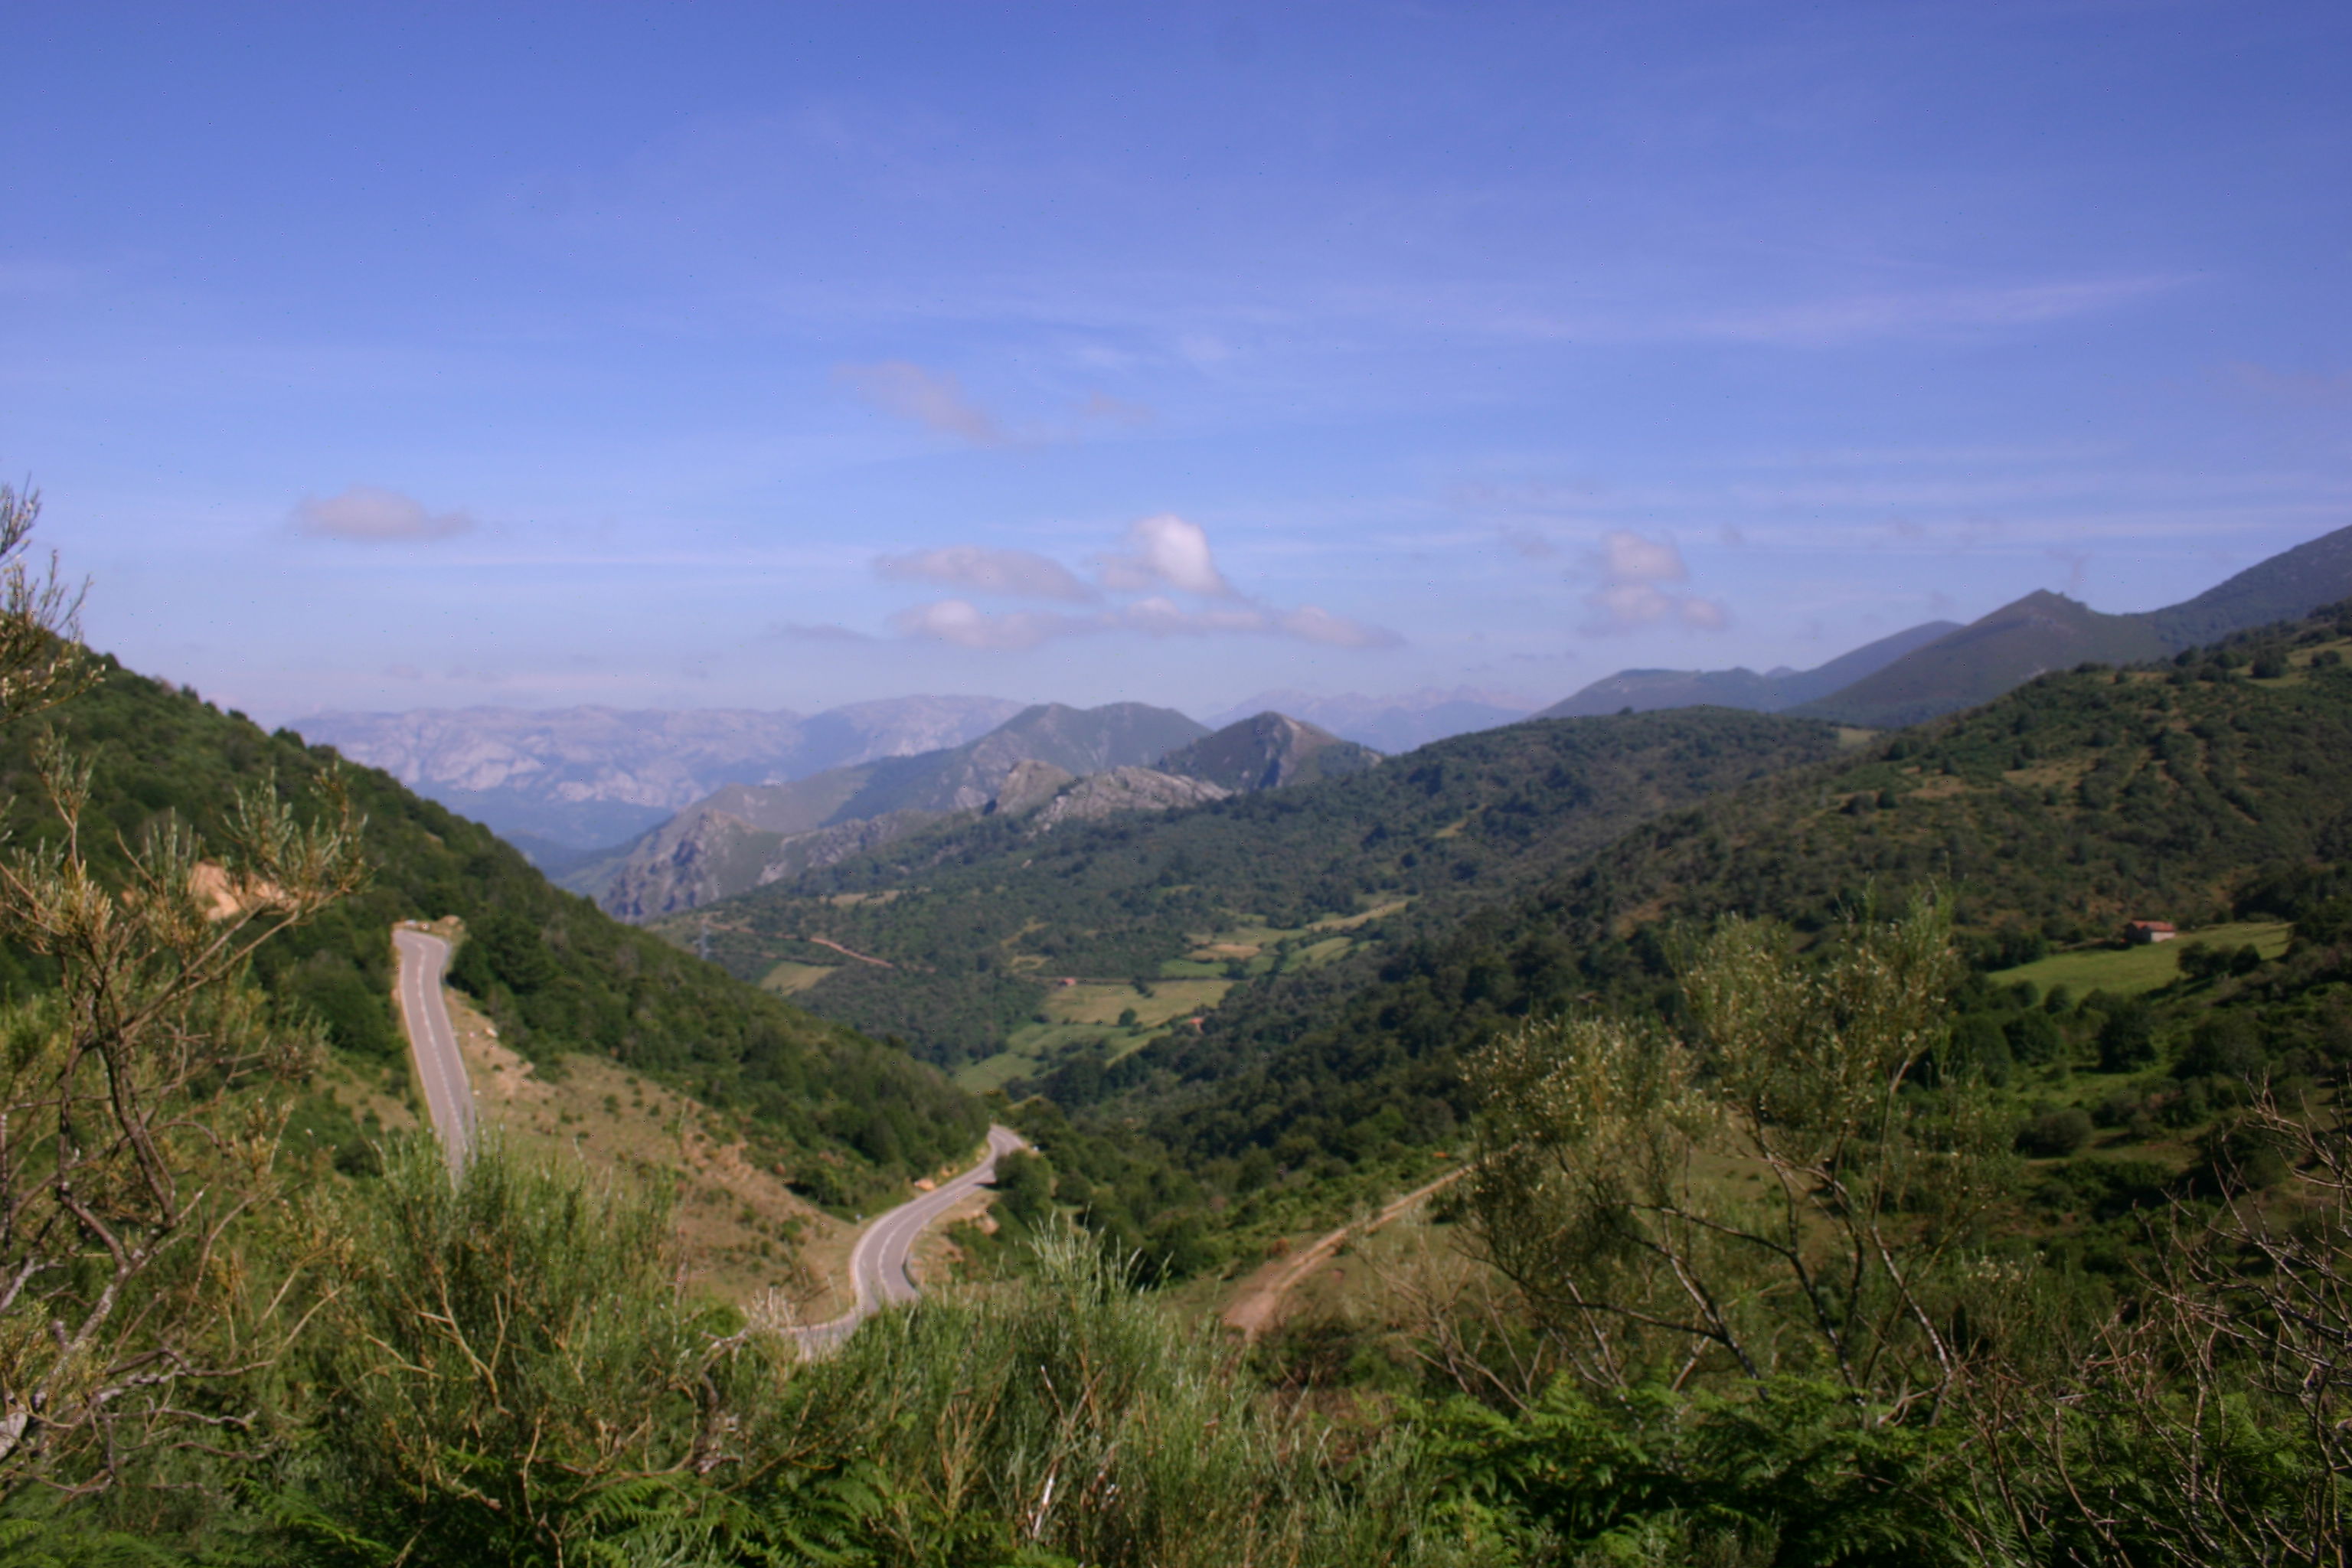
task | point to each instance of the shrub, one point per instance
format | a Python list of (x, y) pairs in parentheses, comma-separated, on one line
[(2055, 1134)]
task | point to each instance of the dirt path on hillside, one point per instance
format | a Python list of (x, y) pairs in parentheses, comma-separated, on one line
[(1252, 1312), (848, 951)]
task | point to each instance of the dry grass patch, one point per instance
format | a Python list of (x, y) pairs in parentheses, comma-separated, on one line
[(744, 1232)]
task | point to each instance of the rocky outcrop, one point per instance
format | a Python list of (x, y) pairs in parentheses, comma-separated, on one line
[(1125, 790), (716, 855), (1029, 785)]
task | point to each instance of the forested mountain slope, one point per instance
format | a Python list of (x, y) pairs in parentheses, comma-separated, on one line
[(557, 974), (961, 932), (2084, 798)]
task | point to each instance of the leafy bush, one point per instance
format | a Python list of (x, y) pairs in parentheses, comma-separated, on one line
[(2054, 1133)]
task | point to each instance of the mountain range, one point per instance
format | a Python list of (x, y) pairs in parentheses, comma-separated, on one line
[(1053, 762), (585, 778), (1643, 690), (1937, 668), (742, 836)]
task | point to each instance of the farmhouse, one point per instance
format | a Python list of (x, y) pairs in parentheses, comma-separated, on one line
[(2141, 931)]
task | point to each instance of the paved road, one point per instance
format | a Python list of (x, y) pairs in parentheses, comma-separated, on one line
[(877, 1264), (433, 1042)]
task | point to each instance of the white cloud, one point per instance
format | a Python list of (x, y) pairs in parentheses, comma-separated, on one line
[(1017, 573), (1631, 568), (1165, 551), (933, 399), (376, 516)]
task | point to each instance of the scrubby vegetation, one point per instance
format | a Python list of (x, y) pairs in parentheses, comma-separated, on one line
[(1857, 1364)]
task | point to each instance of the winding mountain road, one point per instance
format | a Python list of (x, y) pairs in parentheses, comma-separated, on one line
[(877, 1264), (433, 1042)]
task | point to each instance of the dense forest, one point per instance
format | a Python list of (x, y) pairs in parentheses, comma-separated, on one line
[(2182, 792)]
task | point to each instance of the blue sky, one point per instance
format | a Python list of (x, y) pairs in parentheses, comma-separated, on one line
[(789, 355)]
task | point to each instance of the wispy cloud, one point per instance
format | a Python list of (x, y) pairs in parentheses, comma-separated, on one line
[(1928, 312), (822, 631), (1101, 408), (374, 516), (1018, 573), (1528, 544), (1630, 593), (930, 398), (2292, 386), (965, 625)]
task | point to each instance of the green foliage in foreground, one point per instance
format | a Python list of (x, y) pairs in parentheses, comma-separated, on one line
[(504, 1375)]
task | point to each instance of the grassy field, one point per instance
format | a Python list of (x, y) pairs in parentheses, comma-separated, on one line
[(2127, 971), (789, 978), (1078, 1015)]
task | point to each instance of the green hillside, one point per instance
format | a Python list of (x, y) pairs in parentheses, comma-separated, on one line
[(973, 925), (557, 974), (2190, 791)]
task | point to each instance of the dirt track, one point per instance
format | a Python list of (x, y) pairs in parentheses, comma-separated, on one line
[(1255, 1309)]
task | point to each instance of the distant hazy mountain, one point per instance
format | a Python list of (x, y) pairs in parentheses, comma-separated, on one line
[(2291, 584), (593, 777), (1986, 657), (1645, 689), (742, 836), (1268, 750), (1392, 725), (2048, 631)]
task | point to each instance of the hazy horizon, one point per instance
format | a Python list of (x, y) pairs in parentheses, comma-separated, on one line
[(783, 359)]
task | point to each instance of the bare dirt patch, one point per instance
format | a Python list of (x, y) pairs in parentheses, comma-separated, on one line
[(1260, 1301)]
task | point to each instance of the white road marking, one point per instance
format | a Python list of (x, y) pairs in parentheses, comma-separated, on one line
[(877, 1264), (433, 1042)]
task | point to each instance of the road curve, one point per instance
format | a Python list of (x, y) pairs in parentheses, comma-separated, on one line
[(432, 1041), (877, 1264)]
